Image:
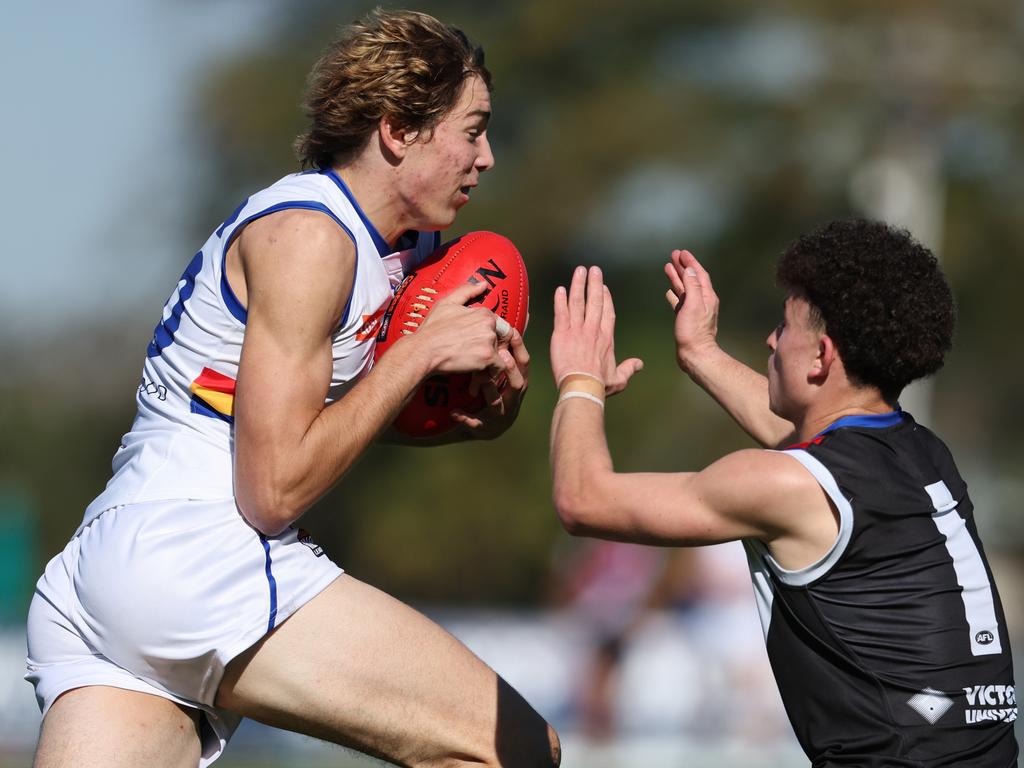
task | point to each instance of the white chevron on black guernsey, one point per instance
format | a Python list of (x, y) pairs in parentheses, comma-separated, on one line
[(892, 649)]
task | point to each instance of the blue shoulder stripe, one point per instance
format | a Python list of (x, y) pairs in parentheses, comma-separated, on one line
[(383, 249), (872, 421), (230, 300)]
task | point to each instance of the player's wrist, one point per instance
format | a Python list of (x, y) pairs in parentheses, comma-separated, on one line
[(418, 357), (694, 358), (581, 386)]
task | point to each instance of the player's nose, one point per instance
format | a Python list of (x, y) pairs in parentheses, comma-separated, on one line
[(485, 160)]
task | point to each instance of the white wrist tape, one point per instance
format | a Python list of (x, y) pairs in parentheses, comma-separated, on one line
[(584, 395)]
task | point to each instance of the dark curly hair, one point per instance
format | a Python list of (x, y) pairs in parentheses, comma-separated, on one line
[(880, 295), (404, 65)]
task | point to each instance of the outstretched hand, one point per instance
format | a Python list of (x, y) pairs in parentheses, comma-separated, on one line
[(695, 302), (583, 340)]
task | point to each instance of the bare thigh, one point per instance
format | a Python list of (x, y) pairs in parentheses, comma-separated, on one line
[(357, 667), (102, 727)]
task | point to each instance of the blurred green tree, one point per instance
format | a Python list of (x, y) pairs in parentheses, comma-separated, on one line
[(621, 132)]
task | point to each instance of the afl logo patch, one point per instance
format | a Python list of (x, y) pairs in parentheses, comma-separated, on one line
[(984, 638), (305, 538)]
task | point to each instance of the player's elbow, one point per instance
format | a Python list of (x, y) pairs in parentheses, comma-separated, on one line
[(268, 512), (586, 503), (573, 510), (267, 522)]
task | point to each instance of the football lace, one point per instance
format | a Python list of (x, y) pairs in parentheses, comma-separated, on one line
[(418, 311)]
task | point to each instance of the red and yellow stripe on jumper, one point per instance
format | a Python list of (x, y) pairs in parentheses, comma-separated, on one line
[(213, 395)]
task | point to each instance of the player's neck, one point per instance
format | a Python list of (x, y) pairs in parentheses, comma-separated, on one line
[(821, 414), (376, 197)]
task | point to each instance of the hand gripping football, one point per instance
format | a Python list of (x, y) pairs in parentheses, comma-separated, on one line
[(474, 257)]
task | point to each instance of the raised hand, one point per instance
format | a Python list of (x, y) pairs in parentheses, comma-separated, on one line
[(583, 339), (695, 302)]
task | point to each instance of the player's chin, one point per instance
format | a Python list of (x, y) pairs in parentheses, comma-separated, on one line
[(445, 217)]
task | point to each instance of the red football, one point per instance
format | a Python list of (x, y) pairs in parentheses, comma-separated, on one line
[(474, 257)]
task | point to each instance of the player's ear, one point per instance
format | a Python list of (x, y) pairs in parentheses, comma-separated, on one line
[(826, 358), (395, 139)]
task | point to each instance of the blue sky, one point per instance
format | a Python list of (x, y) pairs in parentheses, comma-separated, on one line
[(96, 152)]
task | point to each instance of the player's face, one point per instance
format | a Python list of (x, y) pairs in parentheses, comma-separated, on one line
[(442, 171), (795, 344)]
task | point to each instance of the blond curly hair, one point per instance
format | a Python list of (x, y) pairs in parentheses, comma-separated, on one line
[(403, 65)]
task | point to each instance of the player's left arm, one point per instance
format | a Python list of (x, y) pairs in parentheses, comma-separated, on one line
[(746, 494)]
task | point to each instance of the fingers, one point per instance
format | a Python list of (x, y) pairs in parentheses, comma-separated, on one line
[(577, 297), (467, 420), (464, 293), (502, 390), (493, 397), (673, 300), (685, 279), (595, 297), (517, 347), (584, 301), (515, 371), (627, 368), (688, 260), (673, 274), (623, 373), (509, 374), (694, 290), (561, 309), (608, 315), (495, 371), (502, 329)]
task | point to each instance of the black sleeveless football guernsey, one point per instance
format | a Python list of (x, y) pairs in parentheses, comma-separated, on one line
[(892, 649)]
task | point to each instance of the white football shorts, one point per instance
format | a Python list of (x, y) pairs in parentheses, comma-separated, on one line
[(158, 597)]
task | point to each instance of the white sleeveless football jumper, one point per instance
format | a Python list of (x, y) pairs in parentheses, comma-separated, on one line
[(164, 582)]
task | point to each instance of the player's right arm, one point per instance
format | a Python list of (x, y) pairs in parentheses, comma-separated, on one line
[(297, 269), (740, 390)]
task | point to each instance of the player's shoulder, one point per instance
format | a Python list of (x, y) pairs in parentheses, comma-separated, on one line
[(765, 478), (766, 467), (306, 232), (297, 252)]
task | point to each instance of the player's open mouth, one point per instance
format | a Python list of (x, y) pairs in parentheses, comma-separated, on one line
[(465, 190)]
